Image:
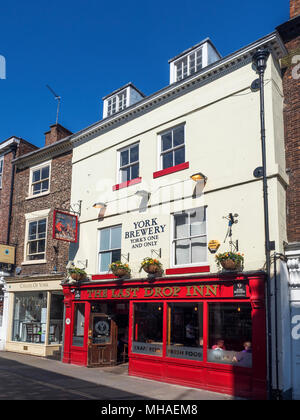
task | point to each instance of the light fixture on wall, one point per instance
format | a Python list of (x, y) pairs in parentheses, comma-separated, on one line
[(143, 194), (102, 207), (199, 177)]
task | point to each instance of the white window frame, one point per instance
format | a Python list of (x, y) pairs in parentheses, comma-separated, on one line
[(32, 170), (119, 167), (173, 241), (117, 102), (161, 153), (188, 58), (35, 217), (1, 170), (107, 250)]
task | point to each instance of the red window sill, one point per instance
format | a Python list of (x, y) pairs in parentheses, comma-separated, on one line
[(103, 276), (188, 270), (171, 170), (127, 184)]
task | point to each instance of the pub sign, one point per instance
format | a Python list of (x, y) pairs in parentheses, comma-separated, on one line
[(65, 226)]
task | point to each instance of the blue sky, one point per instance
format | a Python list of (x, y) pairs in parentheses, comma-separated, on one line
[(86, 49)]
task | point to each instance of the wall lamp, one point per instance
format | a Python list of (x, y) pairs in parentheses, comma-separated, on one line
[(143, 194), (199, 177), (102, 207)]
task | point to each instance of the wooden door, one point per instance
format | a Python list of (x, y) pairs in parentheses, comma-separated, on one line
[(103, 334)]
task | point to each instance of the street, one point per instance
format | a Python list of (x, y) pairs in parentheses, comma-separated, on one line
[(25, 377)]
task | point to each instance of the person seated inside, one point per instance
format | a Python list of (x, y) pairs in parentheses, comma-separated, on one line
[(244, 357), (219, 345)]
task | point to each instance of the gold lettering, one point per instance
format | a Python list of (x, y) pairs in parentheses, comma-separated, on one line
[(157, 292), (90, 293), (125, 293), (114, 293), (104, 293), (167, 291), (188, 293), (148, 291), (198, 289), (212, 290), (98, 293), (134, 290), (176, 290)]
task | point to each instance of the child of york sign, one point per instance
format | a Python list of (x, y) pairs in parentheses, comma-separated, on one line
[(145, 233)]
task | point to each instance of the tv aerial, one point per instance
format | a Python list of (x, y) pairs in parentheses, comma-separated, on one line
[(232, 219), (57, 98)]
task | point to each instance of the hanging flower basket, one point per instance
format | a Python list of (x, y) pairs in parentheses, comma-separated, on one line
[(230, 260), (77, 274), (119, 269), (151, 266)]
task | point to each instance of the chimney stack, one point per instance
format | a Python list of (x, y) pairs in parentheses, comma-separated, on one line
[(294, 8), (56, 133)]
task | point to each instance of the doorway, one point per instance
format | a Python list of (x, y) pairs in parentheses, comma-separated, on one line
[(108, 334)]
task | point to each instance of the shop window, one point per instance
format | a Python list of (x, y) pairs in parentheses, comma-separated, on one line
[(230, 334), (78, 328), (172, 147), (190, 238), (56, 318), (110, 247), (30, 317), (185, 331), (148, 329)]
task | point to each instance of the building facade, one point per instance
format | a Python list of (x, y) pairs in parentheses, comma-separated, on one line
[(9, 150), (42, 185), (290, 33), (167, 178)]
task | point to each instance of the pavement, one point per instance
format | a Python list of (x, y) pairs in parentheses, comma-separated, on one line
[(26, 377)]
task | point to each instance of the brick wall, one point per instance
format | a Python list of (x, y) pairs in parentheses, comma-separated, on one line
[(290, 32), (57, 252)]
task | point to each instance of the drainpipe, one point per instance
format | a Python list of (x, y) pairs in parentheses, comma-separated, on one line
[(13, 148)]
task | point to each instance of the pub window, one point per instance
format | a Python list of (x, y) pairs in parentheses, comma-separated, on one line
[(78, 328), (190, 238), (230, 334), (36, 240), (185, 331), (172, 147), (147, 334), (110, 247), (129, 163)]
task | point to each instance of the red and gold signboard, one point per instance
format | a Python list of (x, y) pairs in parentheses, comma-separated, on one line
[(65, 226)]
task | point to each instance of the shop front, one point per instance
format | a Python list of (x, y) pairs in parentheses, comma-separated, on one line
[(205, 332), (35, 320)]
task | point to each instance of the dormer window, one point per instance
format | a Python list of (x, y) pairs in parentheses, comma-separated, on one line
[(120, 99), (189, 64), (117, 103)]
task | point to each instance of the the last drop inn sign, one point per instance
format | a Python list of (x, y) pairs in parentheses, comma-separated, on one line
[(141, 235)]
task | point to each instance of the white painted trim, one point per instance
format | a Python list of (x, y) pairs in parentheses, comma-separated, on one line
[(32, 217), (34, 168)]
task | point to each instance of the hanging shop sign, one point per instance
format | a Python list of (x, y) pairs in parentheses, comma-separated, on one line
[(7, 254), (65, 226)]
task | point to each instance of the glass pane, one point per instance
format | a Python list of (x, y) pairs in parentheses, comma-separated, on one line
[(36, 188), (182, 251), (230, 334), (197, 220), (101, 330), (42, 228), (147, 334), (199, 246), (30, 317), (181, 222), (166, 141), (78, 329), (41, 245), (32, 247), (115, 237), (104, 239), (178, 136), (167, 160), (185, 331), (134, 153), (32, 230), (116, 255), (44, 186), (125, 174), (184, 61), (124, 157), (179, 156), (36, 175), (105, 260), (45, 172), (56, 318), (135, 171)]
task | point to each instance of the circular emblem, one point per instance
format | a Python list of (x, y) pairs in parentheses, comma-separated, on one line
[(6, 252), (68, 321), (102, 327)]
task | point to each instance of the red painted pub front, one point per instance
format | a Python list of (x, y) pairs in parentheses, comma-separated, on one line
[(207, 332)]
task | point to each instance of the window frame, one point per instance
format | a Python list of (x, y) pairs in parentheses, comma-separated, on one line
[(172, 149), (117, 102), (187, 57), (129, 165), (173, 240), (107, 250), (31, 183), (1, 170), (33, 217)]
